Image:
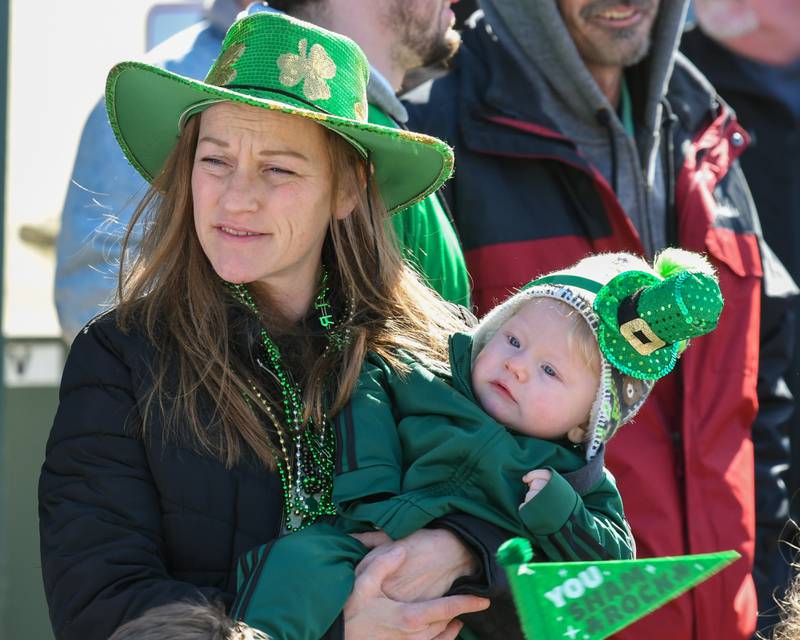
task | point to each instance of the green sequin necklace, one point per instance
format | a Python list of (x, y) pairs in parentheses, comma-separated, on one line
[(306, 451)]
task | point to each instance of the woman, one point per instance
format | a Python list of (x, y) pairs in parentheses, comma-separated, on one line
[(195, 418)]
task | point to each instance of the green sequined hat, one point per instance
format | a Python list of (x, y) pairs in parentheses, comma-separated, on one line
[(641, 320), (645, 321), (275, 62)]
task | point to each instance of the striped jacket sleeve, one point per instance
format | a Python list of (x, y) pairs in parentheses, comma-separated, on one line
[(369, 455), (565, 526)]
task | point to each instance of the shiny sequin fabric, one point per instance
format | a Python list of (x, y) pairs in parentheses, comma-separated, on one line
[(275, 62)]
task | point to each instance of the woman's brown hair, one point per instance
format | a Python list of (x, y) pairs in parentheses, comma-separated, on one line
[(170, 289)]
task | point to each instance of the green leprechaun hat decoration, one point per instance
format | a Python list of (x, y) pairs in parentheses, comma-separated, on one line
[(275, 62), (593, 600), (645, 321)]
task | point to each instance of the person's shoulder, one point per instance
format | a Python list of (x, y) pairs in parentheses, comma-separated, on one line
[(189, 52), (108, 324), (105, 337), (691, 94), (413, 369), (104, 327)]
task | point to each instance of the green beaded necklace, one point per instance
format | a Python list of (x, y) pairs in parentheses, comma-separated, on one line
[(307, 475)]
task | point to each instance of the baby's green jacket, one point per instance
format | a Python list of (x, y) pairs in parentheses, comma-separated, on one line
[(410, 448)]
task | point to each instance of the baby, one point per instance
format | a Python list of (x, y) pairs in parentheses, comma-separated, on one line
[(533, 395), (539, 375)]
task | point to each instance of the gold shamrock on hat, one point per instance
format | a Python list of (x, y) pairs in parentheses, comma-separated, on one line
[(223, 72), (360, 110), (275, 62), (314, 69)]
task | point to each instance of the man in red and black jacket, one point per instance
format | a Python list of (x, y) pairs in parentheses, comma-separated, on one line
[(578, 128), (751, 52)]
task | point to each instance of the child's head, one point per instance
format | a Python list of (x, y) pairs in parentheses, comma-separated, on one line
[(576, 352), (540, 371), (186, 621)]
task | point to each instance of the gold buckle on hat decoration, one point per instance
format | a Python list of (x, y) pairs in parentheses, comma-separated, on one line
[(640, 336)]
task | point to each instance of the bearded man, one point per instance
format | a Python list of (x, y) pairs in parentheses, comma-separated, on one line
[(579, 128)]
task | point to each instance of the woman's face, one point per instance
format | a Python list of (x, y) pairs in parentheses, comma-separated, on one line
[(262, 195)]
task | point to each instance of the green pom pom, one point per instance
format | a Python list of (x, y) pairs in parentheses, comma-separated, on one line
[(515, 551), (673, 260)]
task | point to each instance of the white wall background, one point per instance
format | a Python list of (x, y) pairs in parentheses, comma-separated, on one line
[(60, 53)]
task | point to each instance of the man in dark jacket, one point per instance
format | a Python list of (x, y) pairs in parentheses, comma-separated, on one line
[(578, 128), (751, 53)]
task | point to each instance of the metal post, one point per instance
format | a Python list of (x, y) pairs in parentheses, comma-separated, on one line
[(4, 551), (4, 39)]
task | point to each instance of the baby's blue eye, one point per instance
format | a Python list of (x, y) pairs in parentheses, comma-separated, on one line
[(512, 340), (548, 370)]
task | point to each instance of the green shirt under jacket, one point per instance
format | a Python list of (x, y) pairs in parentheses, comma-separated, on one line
[(411, 448), (428, 239)]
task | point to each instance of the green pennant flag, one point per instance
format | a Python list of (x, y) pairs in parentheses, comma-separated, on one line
[(592, 600)]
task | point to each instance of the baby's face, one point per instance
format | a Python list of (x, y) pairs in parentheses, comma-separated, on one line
[(529, 378)]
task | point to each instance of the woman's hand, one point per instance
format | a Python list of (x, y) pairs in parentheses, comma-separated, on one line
[(434, 559), (370, 614)]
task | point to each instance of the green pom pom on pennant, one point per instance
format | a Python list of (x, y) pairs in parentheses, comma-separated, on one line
[(515, 551)]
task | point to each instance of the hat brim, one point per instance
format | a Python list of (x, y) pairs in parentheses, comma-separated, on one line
[(145, 105)]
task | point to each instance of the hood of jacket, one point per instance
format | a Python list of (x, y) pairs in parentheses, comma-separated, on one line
[(460, 346), (381, 94), (543, 43), (535, 36)]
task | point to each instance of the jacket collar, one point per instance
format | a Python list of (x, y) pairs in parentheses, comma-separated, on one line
[(497, 112), (381, 94), (461, 364)]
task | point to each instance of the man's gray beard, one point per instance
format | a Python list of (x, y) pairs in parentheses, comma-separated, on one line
[(637, 56), (605, 57), (612, 58)]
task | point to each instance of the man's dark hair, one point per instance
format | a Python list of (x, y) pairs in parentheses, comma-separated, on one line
[(186, 621)]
